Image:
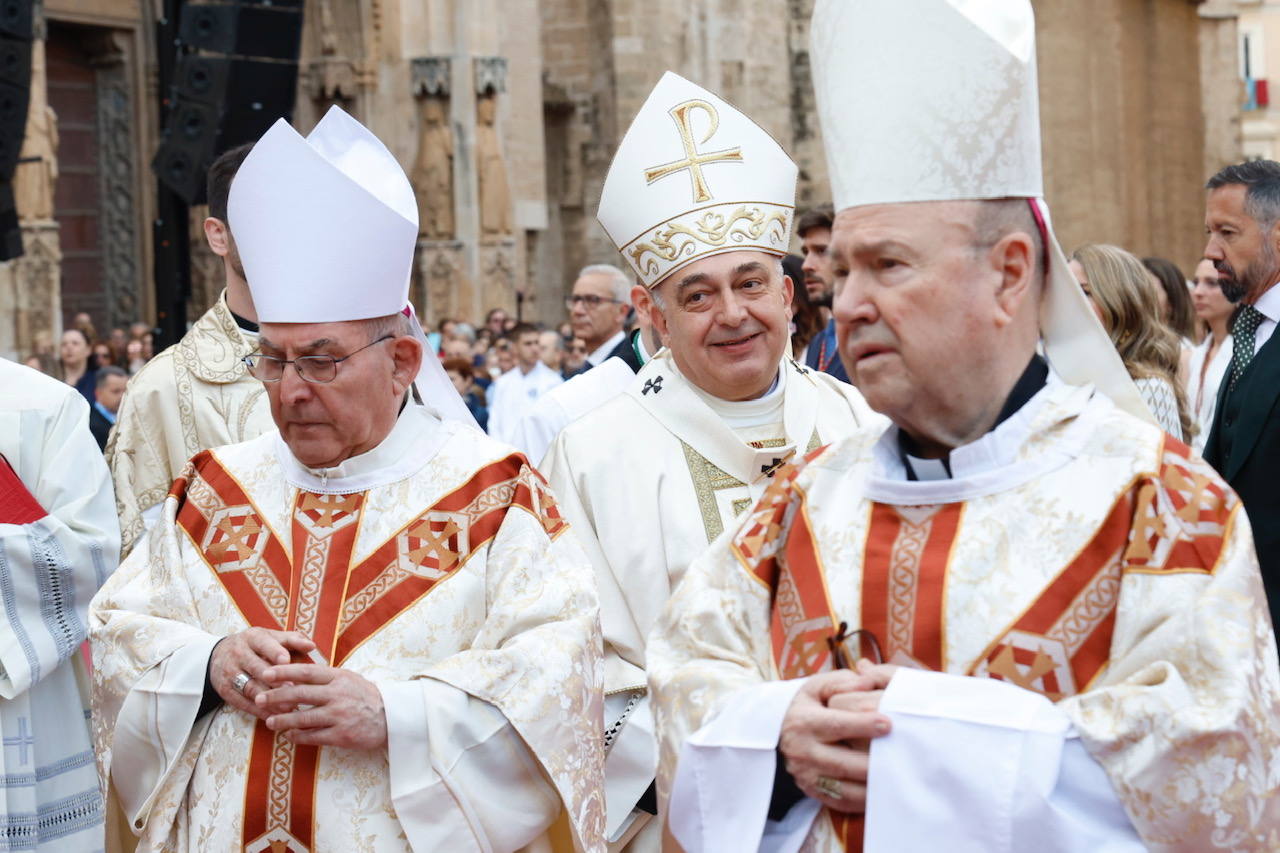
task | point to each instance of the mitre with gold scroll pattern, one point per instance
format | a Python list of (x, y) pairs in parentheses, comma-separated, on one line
[(695, 177)]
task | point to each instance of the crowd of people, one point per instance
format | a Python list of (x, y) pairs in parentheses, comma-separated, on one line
[(1170, 330), (925, 484), (98, 367)]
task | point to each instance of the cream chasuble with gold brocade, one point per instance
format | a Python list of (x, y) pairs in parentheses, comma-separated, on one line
[(1078, 554), (647, 480), (194, 395), (436, 566)]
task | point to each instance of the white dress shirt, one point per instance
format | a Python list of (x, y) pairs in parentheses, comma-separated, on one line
[(1268, 305), (601, 352)]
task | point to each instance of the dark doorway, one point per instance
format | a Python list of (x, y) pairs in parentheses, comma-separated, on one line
[(77, 199)]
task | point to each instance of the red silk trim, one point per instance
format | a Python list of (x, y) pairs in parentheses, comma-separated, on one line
[(17, 504)]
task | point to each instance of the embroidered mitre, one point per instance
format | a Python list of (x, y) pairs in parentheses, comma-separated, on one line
[(937, 100), (695, 177)]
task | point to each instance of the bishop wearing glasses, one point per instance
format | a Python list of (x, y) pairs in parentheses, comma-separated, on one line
[(367, 628)]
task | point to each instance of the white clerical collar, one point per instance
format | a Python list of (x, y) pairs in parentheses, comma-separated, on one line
[(1268, 304), (601, 352), (414, 439), (991, 464), (743, 414)]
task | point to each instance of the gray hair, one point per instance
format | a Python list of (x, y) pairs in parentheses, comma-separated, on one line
[(393, 324), (619, 283), (995, 219), (465, 331), (1261, 180), (105, 373)]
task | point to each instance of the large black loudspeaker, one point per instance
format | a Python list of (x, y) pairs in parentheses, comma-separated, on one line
[(15, 95), (236, 73)]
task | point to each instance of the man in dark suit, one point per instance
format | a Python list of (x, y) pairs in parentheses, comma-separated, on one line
[(1243, 220), (106, 393)]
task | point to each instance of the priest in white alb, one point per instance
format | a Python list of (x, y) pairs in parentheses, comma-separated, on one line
[(367, 629), (1021, 617), (699, 201), (59, 540)]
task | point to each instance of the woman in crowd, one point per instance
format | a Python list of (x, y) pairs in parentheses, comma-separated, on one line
[(1174, 297), (1212, 356), (103, 353), (461, 374), (133, 357), (76, 365), (1116, 283)]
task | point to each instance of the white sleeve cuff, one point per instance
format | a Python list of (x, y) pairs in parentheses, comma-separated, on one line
[(724, 782), (988, 766), (156, 720), (461, 777)]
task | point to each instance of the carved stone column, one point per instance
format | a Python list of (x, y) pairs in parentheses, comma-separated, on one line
[(498, 258), (441, 281)]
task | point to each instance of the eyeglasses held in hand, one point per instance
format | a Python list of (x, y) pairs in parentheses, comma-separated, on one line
[(847, 647), (320, 369), (590, 300)]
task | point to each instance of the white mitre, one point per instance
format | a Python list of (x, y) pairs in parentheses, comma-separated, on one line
[(326, 228), (695, 177), (937, 100)]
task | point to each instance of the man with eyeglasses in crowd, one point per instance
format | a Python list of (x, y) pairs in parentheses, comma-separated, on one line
[(346, 633), (598, 309)]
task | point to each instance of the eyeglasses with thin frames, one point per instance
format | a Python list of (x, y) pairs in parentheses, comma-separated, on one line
[(320, 369), (589, 300), (847, 647)]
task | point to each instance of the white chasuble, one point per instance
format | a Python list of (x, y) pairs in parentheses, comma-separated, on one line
[(647, 480), (59, 540), (195, 395), (1089, 586), (436, 566)]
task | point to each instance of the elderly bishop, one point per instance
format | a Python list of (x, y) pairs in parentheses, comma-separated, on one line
[(699, 200), (366, 629), (1077, 654)]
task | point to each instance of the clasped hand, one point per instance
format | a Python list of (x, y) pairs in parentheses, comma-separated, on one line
[(827, 732), (307, 703)]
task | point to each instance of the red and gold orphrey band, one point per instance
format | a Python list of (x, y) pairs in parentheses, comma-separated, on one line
[(320, 593), (1175, 521)]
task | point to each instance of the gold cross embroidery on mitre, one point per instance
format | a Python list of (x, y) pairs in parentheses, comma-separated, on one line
[(693, 160)]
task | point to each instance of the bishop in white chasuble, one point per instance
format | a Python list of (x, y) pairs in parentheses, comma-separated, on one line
[(451, 700), (192, 396), (59, 540), (436, 566), (1076, 553), (648, 480), (699, 201)]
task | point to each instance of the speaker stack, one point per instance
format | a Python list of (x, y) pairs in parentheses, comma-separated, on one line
[(236, 72), (15, 95)]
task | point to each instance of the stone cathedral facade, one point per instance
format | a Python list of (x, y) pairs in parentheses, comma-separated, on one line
[(505, 114)]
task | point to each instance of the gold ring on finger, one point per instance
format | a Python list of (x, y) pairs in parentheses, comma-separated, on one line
[(831, 787)]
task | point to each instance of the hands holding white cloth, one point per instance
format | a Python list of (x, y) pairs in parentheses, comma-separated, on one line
[(984, 764)]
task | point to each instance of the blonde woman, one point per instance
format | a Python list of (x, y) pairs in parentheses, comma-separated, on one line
[(1123, 297)]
